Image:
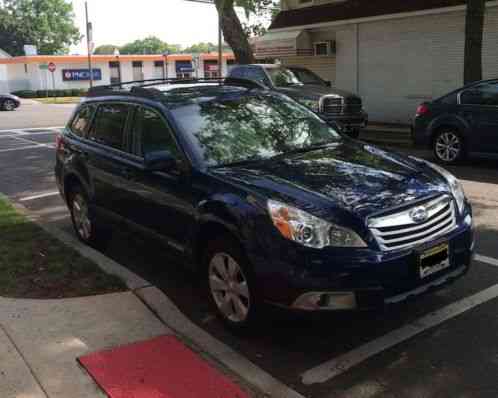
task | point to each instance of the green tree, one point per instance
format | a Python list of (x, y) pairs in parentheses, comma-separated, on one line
[(474, 27), (236, 34), (149, 45), (106, 49), (201, 48), (47, 24)]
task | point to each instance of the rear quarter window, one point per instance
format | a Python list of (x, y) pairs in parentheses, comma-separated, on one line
[(82, 120), (109, 125)]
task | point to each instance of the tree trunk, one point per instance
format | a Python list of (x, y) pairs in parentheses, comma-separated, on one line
[(474, 26), (233, 32)]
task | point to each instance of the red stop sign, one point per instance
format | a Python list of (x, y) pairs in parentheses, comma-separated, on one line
[(52, 67)]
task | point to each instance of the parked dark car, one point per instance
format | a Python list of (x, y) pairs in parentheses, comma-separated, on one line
[(460, 123), (334, 105), (9, 102), (263, 197)]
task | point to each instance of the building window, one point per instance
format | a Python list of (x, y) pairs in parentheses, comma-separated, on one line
[(138, 73), (322, 48)]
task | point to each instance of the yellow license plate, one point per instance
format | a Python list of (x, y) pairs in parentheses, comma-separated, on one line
[(434, 260)]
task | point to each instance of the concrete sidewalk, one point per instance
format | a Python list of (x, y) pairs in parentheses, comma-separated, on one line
[(40, 341)]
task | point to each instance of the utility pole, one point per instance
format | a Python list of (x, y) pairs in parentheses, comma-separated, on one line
[(89, 40)]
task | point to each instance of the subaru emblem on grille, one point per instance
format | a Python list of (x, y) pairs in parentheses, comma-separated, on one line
[(419, 214)]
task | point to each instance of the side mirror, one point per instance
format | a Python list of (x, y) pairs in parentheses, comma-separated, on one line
[(159, 161)]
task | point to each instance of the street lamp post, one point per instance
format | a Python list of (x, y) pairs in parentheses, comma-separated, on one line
[(220, 35), (89, 34)]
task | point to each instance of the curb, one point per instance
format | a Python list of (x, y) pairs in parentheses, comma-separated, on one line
[(169, 314)]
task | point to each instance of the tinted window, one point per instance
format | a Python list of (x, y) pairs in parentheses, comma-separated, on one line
[(109, 125), (82, 121), (237, 73), (484, 94), (284, 77), (234, 128), (155, 134), (256, 74)]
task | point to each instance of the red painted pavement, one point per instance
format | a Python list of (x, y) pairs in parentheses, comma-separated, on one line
[(159, 368)]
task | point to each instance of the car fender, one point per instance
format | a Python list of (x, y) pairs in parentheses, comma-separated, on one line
[(75, 170), (449, 120)]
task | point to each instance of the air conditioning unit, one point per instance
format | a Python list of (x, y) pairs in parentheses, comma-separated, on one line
[(324, 48)]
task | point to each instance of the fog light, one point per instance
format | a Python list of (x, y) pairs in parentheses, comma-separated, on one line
[(314, 301), (469, 221)]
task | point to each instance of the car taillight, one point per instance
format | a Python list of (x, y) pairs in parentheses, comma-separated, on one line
[(422, 109), (59, 143)]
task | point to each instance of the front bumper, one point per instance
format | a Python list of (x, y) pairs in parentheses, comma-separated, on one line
[(349, 122), (342, 280)]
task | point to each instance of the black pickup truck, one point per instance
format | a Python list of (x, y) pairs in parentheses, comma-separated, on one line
[(334, 105)]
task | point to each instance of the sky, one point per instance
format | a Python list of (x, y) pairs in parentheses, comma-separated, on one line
[(121, 21)]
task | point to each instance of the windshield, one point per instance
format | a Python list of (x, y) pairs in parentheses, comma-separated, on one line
[(284, 77), (250, 127)]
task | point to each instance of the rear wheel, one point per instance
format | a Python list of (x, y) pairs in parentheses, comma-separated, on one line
[(84, 223), (449, 146), (9, 105), (230, 284)]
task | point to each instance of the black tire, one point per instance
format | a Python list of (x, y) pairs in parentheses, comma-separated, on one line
[(449, 146), (92, 235), (9, 105), (227, 245)]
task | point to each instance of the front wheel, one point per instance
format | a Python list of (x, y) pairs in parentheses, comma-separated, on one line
[(9, 105), (231, 285), (448, 146)]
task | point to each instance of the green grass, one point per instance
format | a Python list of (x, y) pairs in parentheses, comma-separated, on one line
[(33, 264), (58, 100)]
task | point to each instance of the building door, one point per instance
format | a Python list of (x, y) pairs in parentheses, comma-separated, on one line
[(184, 69), (138, 73), (211, 70), (159, 71), (115, 69)]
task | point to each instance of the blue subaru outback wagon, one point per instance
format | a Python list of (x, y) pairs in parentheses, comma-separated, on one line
[(262, 196)]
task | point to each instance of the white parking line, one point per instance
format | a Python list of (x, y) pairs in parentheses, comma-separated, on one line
[(39, 196), (486, 260), (31, 141), (31, 129), (341, 364), (23, 148)]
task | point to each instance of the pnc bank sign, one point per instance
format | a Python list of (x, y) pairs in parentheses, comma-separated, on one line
[(69, 75)]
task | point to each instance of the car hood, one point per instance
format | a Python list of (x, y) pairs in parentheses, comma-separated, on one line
[(311, 91), (355, 177)]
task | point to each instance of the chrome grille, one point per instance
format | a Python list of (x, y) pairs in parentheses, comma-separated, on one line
[(332, 105), (399, 231)]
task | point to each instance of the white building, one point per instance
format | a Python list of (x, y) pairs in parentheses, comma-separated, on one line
[(72, 72), (394, 53), (3, 73)]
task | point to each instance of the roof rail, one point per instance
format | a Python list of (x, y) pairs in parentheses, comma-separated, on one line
[(145, 88)]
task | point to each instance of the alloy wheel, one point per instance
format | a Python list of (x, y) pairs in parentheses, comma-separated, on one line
[(81, 218), (229, 288), (9, 105), (448, 146)]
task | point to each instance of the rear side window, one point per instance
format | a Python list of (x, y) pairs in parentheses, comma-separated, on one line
[(238, 73), (109, 125), (82, 121), (484, 94), (155, 134)]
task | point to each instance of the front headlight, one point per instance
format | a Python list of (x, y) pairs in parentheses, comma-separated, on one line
[(308, 230), (311, 104), (455, 185)]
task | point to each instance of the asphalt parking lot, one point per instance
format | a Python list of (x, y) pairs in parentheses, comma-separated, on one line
[(440, 345)]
